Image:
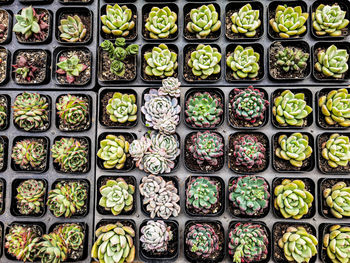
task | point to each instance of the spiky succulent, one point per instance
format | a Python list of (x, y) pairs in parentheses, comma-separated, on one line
[(298, 245), (3, 112), (206, 147), (204, 20), (71, 67), (338, 199), (249, 194), (30, 196), (202, 240), (336, 150), (115, 243), (204, 110), (70, 154), (248, 151), (30, 111), (248, 242), (122, 107), (117, 21), (246, 21), (329, 20), (161, 62), (160, 197), (332, 62), (202, 195), (289, 21), (337, 244), (117, 196), (244, 63), (291, 59), (205, 61), (29, 154), (156, 236), (291, 109), (294, 148), (292, 199), (171, 87), (68, 198), (72, 29), (161, 22)]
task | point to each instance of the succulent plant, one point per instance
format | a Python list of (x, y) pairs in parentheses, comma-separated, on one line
[(248, 104), (336, 150), (246, 21), (26, 69), (292, 199), (244, 63), (291, 109), (72, 29), (117, 196), (329, 20), (161, 22), (291, 59), (332, 62), (160, 197), (248, 242), (71, 67), (29, 154), (156, 236), (113, 151), (170, 87), (30, 111), (298, 245), (289, 21), (248, 151), (115, 243), (68, 198), (3, 113), (206, 147), (338, 199), (205, 61), (122, 108), (161, 62), (336, 243), (117, 20), (204, 20), (294, 148), (73, 234), (30, 196), (250, 194), (70, 154), (2, 155)]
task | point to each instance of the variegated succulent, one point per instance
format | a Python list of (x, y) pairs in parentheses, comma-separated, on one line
[(29, 154), (30, 197)]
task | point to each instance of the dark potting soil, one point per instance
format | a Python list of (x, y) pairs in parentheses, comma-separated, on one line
[(132, 32), (106, 74), (85, 19), (3, 64), (229, 71), (193, 36), (4, 25), (37, 59), (146, 33)]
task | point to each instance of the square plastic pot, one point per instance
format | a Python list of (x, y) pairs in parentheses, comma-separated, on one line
[(9, 27), (7, 66), (5, 142), (2, 201)]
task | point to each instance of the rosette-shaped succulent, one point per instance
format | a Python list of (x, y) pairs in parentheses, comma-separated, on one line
[(202, 240), (165, 145), (30, 196), (204, 20), (171, 87), (298, 245), (338, 199), (202, 194), (205, 61), (161, 22), (291, 109), (117, 196), (250, 194), (160, 197), (68, 198), (244, 63), (29, 154), (248, 242), (117, 20), (289, 21), (292, 199), (248, 151), (72, 29), (291, 59), (73, 235), (122, 107), (206, 147), (337, 244), (1, 159), (52, 248), (332, 62), (246, 21), (30, 111), (248, 104), (204, 110), (336, 150), (161, 62), (294, 148), (155, 236), (114, 244), (3, 114), (71, 67), (329, 20)]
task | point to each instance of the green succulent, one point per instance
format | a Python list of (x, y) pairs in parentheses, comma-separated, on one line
[(72, 29), (161, 22), (29, 154), (246, 21), (71, 67), (244, 63), (1, 162), (52, 248), (3, 113), (294, 148), (291, 109), (338, 199), (337, 244), (291, 59), (30, 196), (336, 150), (122, 108), (73, 235), (117, 20)]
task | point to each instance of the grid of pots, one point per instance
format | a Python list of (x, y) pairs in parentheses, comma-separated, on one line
[(264, 45), (41, 199), (58, 51)]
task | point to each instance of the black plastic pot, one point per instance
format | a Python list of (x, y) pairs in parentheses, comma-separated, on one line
[(257, 48), (7, 103), (2, 203), (36, 2), (75, 2), (9, 27), (212, 91), (5, 142), (221, 197), (7, 66), (2, 236), (6, 2)]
